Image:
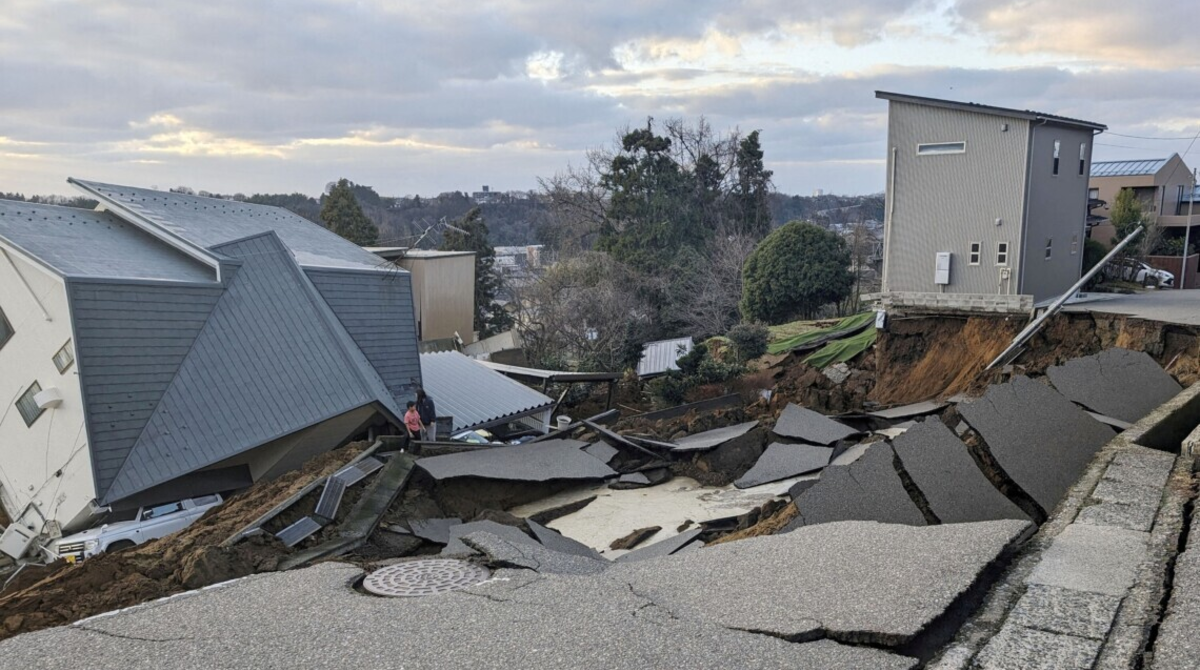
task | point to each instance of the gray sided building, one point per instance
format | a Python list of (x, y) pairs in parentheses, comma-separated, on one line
[(211, 344), (983, 201)]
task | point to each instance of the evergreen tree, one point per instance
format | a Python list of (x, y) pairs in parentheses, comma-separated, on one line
[(752, 189), (490, 318), (794, 272), (342, 214)]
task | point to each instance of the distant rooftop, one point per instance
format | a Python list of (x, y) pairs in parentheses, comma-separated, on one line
[(988, 109), (1130, 168)]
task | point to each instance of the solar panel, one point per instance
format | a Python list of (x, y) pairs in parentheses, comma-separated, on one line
[(298, 532), (331, 498)]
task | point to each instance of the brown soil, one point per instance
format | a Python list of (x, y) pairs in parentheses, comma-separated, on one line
[(190, 559), (768, 526), (920, 359)]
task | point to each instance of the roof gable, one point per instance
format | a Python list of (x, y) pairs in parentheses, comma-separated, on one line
[(269, 361)]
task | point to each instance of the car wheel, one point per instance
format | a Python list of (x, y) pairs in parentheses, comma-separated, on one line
[(119, 545)]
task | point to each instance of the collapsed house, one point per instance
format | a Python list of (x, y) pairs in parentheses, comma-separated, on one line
[(167, 345)]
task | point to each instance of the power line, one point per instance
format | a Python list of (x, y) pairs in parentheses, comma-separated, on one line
[(1143, 137)]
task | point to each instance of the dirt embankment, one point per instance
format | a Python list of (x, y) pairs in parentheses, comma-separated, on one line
[(190, 559)]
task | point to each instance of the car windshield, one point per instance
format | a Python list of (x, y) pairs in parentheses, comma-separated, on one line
[(161, 510)]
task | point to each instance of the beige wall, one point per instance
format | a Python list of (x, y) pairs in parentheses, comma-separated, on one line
[(45, 468), (443, 295), (946, 202), (1159, 193)]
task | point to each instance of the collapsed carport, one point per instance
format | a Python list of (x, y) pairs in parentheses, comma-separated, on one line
[(476, 397)]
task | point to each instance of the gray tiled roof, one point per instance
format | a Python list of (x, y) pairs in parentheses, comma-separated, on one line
[(82, 243), (208, 222), (476, 396), (1134, 168), (267, 362)]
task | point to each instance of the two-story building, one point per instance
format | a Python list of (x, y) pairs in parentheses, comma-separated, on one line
[(986, 206), (166, 346), (1165, 189)]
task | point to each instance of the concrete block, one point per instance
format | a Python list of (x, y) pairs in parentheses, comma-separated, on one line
[(1131, 517), (1097, 559), (1017, 648), (1057, 610)]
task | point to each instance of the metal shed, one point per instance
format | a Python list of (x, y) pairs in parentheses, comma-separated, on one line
[(478, 397)]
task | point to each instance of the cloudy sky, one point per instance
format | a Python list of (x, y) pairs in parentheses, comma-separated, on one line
[(425, 97)]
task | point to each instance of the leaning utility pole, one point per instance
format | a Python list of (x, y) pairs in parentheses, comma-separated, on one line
[(1187, 235)]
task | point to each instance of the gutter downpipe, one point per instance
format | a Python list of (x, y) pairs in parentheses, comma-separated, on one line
[(1187, 235)]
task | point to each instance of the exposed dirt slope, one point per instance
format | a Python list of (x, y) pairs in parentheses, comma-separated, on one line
[(190, 559)]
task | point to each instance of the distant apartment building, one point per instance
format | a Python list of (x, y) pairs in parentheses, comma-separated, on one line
[(985, 205), (1163, 185)]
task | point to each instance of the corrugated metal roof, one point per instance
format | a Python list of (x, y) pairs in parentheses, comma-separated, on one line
[(83, 243), (658, 357), (1133, 168), (208, 222), (476, 396)]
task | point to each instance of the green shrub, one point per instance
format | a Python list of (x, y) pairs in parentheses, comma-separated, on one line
[(750, 340)]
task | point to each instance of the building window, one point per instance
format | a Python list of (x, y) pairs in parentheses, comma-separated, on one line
[(1074, 244), (64, 358), (6, 331), (1057, 147), (1093, 194), (1002, 253), (941, 148), (1082, 157), (27, 406), (1049, 247), (975, 247)]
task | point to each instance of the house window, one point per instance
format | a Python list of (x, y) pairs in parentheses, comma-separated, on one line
[(975, 248), (1074, 244), (1002, 253), (1049, 247), (935, 148), (1093, 194), (1082, 157), (1057, 147), (6, 331), (64, 358), (27, 406)]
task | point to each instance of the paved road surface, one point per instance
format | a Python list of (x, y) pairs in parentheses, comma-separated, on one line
[(1166, 306)]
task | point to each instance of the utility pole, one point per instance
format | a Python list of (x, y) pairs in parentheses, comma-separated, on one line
[(1187, 235)]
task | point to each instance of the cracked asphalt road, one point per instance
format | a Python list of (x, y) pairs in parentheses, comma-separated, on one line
[(721, 607)]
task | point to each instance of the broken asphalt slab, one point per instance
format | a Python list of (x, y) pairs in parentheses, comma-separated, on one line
[(314, 619), (456, 547), (534, 462), (1118, 383), (663, 547), (860, 582), (869, 489), (711, 439), (1040, 439), (434, 530), (601, 450), (783, 461), (801, 423), (909, 411), (500, 552), (556, 541), (942, 469)]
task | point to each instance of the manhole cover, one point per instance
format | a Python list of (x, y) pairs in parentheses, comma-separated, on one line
[(424, 578)]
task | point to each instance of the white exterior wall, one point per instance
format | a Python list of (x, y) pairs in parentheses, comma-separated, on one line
[(32, 490)]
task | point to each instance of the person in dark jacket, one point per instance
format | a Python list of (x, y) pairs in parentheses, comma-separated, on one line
[(428, 416)]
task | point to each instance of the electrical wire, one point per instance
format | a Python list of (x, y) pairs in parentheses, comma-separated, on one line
[(1144, 137)]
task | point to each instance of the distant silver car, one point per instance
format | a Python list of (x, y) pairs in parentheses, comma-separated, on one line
[(150, 523)]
